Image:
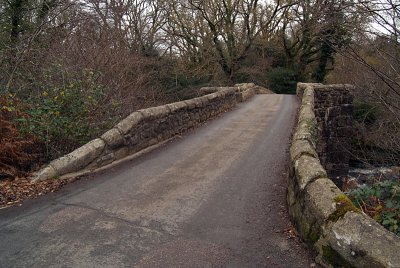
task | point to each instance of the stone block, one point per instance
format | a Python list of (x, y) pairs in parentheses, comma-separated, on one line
[(302, 87), (89, 151), (320, 112), (67, 163), (304, 136), (105, 160), (212, 97), (134, 139), (332, 112), (312, 208), (191, 104), (320, 198), (224, 93), (198, 102), (45, 174), (230, 91), (155, 112), (297, 213), (129, 122), (363, 242), (347, 109), (204, 100), (113, 138), (248, 93), (306, 114), (220, 94), (308, 97), (177, 106), (245, 86), (122, 152), (342, 121), (79, 158), (162, 126), (239, 97), (303, 132), (308, 169), (301, 147), (348, 99), (196, 117)]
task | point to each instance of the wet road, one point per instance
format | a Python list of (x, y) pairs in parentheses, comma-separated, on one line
[(213, 198)]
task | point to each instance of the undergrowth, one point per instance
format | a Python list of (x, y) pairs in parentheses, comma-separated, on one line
[(62, 116), (18, 153), (381, 201)]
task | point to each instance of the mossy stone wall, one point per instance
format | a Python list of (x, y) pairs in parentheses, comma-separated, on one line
[(324, 217)]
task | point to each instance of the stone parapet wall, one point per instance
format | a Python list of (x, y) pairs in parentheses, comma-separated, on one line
[(334, 112), (242, 91), (324, 217), (333, 108), (245, 91), (145, 128)]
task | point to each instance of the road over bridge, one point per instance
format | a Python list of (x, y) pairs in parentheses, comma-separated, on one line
[(212, 198)]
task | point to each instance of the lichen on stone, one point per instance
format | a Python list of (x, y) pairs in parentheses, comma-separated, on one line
[(312, 129)]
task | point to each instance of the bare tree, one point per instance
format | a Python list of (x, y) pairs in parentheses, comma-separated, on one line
[(228, 28), (313, 32), (383, 37), (372, 62)]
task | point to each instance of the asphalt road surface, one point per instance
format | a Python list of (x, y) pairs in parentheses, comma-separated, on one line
[(212, 198)]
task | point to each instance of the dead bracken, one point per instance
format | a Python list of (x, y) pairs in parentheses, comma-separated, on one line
[(15, 191)]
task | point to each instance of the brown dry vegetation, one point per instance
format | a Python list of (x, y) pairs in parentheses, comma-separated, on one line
[(376, 129), (71, 69), (14, 191), (18, 154)]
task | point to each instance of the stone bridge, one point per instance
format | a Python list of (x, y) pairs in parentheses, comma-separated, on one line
[(150, 196), (323, 215)]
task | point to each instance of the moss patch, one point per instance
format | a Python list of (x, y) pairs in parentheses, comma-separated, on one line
[(333, 258), (343, 205), (313, 236)]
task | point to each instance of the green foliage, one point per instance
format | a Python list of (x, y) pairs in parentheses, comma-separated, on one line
[(381, 201), (365, 113), (282, 80), (60, 115)]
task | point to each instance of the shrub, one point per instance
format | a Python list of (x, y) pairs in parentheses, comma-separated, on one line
[(282, 81), (381, 201), (376, 134), (365, 113), (61, 115), (17, 153)]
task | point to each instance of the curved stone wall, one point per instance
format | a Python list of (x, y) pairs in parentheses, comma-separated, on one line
[(145, 128), (324, 217)]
